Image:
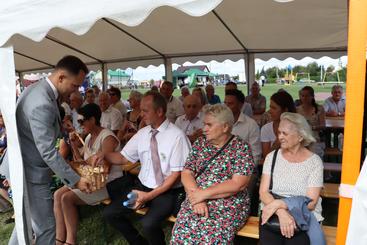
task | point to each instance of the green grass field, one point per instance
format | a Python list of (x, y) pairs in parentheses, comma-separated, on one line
[(267, 90)]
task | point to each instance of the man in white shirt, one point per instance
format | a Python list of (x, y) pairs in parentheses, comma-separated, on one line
[(191, 123), (335, 105), (245, 127), (162, 149), (111, 118), (115, 98), (174, 105), (185, 91), (76, 101)]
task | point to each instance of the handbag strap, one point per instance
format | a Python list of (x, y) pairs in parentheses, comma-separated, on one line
[(272, 169), (215, 155)]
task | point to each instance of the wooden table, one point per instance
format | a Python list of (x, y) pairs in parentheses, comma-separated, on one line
[(333, 125), (334, 122)]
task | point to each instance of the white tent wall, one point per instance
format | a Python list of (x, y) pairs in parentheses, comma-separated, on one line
[(7, 106)]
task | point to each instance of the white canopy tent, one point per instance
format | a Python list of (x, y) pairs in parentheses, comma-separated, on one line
[(111, 34)]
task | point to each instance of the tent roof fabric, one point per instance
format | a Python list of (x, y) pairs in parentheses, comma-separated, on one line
[(145, 32)]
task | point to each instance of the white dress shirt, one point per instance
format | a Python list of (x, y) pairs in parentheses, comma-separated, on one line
[(247, 109), (173, 148), (267, 133), (330, 105), (78, 128), (189, 127), (248, 130), (53, 88), (174, 109), (111, 119), (120, 107)]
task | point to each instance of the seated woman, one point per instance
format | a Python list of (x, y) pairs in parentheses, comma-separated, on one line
[(280, 102), (3, 141), (67, 200), (315, 116), (298, 172), (215, 178)]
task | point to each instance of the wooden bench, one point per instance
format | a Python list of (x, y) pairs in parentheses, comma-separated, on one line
[(333, 167), (330, 190), (333, 152), (251, 228)]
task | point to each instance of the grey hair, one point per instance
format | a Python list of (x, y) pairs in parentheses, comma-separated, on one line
[(335, 87), (301, 125), (185, 88), (136, 94), (221, 113)]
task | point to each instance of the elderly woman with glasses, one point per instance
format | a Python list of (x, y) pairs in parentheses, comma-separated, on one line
[(215, 178), (297, 173), (66, 200)]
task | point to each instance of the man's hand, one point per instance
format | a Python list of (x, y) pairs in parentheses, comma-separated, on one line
[(84, 185), (143, 197), (333, 113)]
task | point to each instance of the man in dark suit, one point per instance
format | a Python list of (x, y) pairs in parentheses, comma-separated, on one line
[(38, 122)]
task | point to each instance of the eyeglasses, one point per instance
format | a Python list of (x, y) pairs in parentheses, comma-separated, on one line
[(81, 121), (112, 94)]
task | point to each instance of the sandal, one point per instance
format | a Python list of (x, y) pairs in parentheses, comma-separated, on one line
[(58, 240), (68, 243)]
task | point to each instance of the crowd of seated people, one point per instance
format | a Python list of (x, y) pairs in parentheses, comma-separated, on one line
[(212, 151)]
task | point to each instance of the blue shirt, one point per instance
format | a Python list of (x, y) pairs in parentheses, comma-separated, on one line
[(214, 100)]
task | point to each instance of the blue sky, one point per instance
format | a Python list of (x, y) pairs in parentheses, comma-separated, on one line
[(235, 67)]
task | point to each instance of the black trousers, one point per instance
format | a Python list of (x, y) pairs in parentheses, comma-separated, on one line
[(116, 214), (268, 237)]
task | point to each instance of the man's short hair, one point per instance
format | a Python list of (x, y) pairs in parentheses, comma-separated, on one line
[(231, 83), (89, 91), (236, 93), (71, 64), (158, 100), (115, 90), (168, 83), (336, 87)]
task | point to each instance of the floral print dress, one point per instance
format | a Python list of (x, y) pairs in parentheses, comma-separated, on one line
[(226, 215)]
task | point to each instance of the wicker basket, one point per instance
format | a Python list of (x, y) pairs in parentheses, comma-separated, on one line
[(96, 175)]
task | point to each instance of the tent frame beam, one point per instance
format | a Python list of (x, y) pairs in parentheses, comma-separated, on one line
[(230, 30), (34, 59), (55, 40)]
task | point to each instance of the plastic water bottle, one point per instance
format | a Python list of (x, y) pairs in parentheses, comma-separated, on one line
[(10, 193), (130, 202)]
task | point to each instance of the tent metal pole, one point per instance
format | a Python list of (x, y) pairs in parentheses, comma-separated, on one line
[(249, 70), (104, 76), (168, 69), (355, 88)]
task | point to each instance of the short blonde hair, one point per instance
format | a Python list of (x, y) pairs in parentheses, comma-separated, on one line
[(221, 113), (136, 95), (301, 125)]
